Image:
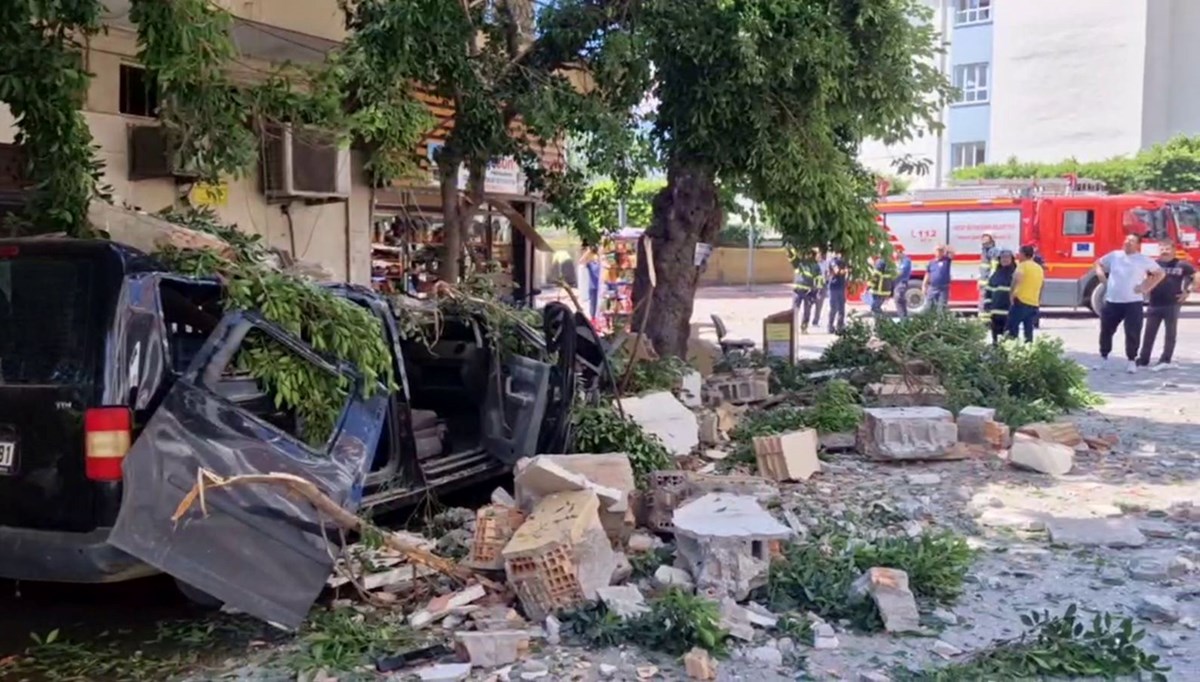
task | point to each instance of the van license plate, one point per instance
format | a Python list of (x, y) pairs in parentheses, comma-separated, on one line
[(8, 458)]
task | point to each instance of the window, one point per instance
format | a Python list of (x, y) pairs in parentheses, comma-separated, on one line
[(968, 155), (1080, 223), (971, 81), (972, 11), (50, 319), (139, 92)]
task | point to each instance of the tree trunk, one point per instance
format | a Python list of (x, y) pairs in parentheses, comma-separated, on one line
[(686, 212), (452, 234)]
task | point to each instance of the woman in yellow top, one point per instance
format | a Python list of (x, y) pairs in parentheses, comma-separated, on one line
[(1026, 294)]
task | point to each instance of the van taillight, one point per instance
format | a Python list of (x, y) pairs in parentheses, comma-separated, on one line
[(107, 436)]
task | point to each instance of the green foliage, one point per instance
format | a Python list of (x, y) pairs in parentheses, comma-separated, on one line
[(646, 563), (785, 376), (1059, 647), (343, 640), (1024, 382), (648, 376), (852, 349), (676, 623), (332, 325), (44, 81), (816, 575), (837, 408), (1173, 166), (762, 423), (596, 214), (602, 429)]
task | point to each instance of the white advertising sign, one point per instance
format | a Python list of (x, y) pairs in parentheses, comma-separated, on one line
[(503, 176), (919, 233), (968, 227)]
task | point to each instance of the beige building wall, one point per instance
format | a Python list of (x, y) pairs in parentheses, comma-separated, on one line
[(335, 235)]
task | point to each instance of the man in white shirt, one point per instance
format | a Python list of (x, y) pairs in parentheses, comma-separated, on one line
[(1129, 276)]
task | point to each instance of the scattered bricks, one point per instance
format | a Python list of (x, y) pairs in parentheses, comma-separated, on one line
[(699, 665), (440, 607), (492, 649), (710, 435), (907, 433), (661, 414), (788, 457), (1063, 433), (725, 542), (497, 617), (973, 423), (888, 588), (494, 527), (1042, 456), (743, 386), (755, 486), (624, 601), (906, 395), (560, 555), (736, 619), (668, 490), (611, 472), (997, 436)]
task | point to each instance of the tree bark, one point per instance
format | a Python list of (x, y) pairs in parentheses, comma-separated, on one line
[(686, 212), (452, 234)]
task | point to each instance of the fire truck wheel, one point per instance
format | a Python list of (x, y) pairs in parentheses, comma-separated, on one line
[(915, 298), (1096, 298)]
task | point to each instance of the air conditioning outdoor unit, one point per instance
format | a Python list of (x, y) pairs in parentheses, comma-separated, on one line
[(153, 155), (304, 164)]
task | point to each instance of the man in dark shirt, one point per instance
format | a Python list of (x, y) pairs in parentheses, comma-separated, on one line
[(1165, 301), (937, 277), (837, 294)]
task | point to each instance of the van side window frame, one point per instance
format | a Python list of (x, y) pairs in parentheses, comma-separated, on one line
[(1071, 228)]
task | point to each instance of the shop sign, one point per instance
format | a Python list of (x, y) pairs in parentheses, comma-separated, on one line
[(209, 194), (503, 176)]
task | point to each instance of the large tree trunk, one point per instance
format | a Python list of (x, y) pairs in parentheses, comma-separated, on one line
[(686, 212), (452, 232)]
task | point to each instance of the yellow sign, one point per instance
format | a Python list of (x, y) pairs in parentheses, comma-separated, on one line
[(779, 332), (207, 194)]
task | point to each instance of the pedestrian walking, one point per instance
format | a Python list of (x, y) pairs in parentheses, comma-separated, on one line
[(881, 285), (937, 277), (1166, 300), (1128, 275), (1026, 295), (837, 294), (988, 253), (903, 274), (997, 294)]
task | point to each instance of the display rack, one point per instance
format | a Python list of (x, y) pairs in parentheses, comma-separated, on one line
[(620, 254), (405, 254)]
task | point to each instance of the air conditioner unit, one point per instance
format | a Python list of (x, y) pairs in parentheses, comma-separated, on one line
[(153, 155), (304, 164)]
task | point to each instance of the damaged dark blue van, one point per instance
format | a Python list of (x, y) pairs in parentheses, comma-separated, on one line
[(119, 383)]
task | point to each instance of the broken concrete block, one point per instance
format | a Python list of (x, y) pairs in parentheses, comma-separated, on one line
[(1063, 433), (1111, 532), (728, 417), (610, 476), (502, 497), (1042, 456), (907, 433), (837, 442), (444, 672), (710, 435), (690, 385), (824, 636), (494, 527), (906, 395), (699, 665), (640, 543), (737, 620), (973, 423), (622, 569), (626, 601), (668, 489), (669, 576), (492, 649), (888, 588), (757, 487), (561, 555), (997, 436), (725, 542), (788, 457), (661, 414), (440, 607), (742, 387), (703, 354)]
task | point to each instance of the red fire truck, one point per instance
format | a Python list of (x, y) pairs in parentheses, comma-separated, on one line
[(1071, 223)]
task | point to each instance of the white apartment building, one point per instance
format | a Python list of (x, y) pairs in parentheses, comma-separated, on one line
[(1047, 81)]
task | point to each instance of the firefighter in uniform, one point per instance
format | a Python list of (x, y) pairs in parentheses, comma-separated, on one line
[(988, 253), (806, 286), (881, 285), (997, 294)]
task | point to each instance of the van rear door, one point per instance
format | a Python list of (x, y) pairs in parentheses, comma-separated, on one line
[(252, 546)]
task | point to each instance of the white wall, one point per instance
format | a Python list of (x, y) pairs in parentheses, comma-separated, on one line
[(1183, 79), (1068, 78)]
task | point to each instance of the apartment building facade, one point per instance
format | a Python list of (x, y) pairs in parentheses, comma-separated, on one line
[(1046, 81)]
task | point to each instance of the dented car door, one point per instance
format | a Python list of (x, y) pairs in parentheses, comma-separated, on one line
[(256, 549), (515, 407)]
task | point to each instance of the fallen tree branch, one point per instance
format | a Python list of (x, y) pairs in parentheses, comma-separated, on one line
[(207, 481)]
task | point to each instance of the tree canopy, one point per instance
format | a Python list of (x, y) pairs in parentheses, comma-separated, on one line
[(1173, 166)]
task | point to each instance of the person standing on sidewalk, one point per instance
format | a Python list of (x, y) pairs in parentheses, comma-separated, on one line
[(937, 277), (997, 295), (988, 253), (837, 294), (821, 290), (903, 274), (1166, 299), (804, 283), (881, 285), (1026, 295), (1128, 275)]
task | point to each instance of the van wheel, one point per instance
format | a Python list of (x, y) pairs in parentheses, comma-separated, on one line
[(197, 596), (1095, 300), (915, 298)]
